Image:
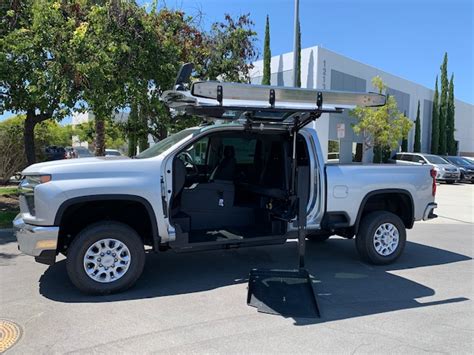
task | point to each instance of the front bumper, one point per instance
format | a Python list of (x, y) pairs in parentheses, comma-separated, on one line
[(428, 214), (449, 176), (38, 241)]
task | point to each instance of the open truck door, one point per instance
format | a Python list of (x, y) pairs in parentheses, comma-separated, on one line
[(285, 292)]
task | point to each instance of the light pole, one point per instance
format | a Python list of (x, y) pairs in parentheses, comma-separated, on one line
[(295, 43)]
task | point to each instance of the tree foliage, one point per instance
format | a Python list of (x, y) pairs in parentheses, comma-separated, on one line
[(417, 140), (231, 46), (450, 121), (443, 106), (113, 133), (36, 75), (267, 55), (108, 55), (47, 133), (382, 127), (435, 121)]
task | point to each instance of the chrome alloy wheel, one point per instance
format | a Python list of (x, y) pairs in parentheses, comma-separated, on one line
[(386, 239), (107, 260)]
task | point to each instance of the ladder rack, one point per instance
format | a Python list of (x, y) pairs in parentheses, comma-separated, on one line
[(274, 103)]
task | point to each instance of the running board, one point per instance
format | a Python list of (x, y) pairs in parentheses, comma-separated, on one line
[(228, 244)]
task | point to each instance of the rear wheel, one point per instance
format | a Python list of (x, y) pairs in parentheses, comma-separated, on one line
[(381, 237), (105, 257)]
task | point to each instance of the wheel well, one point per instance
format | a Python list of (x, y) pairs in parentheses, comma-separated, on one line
[(399, 203), (75, 217)]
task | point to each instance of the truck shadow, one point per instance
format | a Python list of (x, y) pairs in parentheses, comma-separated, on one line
[(345, 286)]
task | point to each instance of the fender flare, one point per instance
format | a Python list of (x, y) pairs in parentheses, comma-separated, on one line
[(380, 192), (110, 197)]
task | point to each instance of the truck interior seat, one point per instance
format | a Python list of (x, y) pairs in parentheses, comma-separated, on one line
[(225, 170)]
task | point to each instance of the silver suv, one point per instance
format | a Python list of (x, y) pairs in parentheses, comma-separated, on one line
[(445, 171)]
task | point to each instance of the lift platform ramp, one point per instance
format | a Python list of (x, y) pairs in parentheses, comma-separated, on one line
[(286, 292)]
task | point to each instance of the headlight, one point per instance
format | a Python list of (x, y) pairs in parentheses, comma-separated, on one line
[(27, 189)]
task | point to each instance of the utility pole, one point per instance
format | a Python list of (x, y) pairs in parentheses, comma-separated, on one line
[(295, 43)]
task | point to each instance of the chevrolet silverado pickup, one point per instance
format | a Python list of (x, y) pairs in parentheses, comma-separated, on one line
[(231, 182)]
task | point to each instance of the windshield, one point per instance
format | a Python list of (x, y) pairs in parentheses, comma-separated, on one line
[(459, 161), (166, 143), (433, 159)]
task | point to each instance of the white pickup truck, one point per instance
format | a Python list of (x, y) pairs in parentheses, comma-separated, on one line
[(220, 185)]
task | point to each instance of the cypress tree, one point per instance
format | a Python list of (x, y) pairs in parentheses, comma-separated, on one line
[(417, 143), (267, 55), (435, 121), (404, 144), (405, 139), (443, 106), (450, 142), (298, 68)]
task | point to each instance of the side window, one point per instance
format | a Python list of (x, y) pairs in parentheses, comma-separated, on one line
[(198, 151), (409, 157), (244, 149)]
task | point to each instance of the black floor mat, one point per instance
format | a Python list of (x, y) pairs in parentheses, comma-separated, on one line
[(286, 292)]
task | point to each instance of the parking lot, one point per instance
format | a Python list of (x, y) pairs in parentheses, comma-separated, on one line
[(196, 303)]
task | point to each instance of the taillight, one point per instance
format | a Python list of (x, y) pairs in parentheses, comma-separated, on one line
[(433, 176)]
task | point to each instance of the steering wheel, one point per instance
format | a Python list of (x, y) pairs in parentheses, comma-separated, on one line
[(188, 160)]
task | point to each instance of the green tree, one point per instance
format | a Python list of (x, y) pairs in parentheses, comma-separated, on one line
[(231, 49), (435, 121), (36, 76), (405, 139), (382, 127), (267, 55), (12, 158), (113, 133), (443, 107), (450, 122), (298, 61), (417, 142)]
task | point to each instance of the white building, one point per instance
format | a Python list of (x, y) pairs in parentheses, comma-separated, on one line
[(324, 69)]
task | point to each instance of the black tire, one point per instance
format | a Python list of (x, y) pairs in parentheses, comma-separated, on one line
[(450, 181), (86, 238), (318, 238), (365, 237)]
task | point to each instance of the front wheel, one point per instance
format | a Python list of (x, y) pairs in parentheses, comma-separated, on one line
[(105, 257), (381, 238)]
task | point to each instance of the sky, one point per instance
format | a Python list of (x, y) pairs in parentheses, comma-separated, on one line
[(407, 38)]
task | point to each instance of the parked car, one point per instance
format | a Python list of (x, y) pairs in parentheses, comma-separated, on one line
[(225, 185), (112, 153), (469, 159), (55, 153), (445, 171), (70, 154), (465, 166), (82, 152)]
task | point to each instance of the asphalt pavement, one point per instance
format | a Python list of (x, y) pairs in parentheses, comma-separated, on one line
[(196, 303)]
